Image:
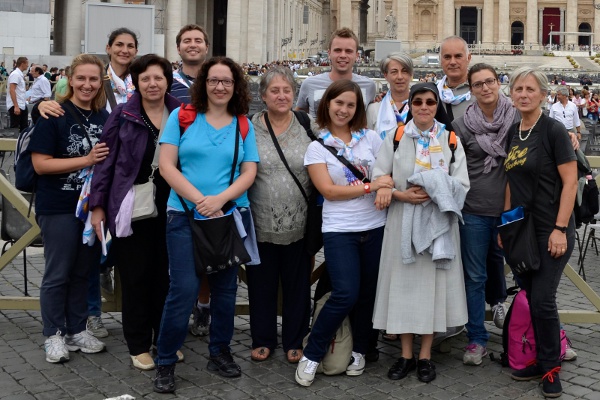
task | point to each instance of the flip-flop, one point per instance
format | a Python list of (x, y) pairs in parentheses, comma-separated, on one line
[(260, 354), (294, 356)]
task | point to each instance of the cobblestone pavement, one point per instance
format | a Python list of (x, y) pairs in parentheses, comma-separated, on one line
[(24, 373)]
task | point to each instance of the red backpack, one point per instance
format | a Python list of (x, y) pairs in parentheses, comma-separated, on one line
[(187, 116)]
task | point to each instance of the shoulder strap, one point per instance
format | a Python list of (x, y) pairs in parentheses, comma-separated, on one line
[(282, 156), (359, 175), (397, 136), (187, 115), (244, 127), (110, 96), (304, 120)]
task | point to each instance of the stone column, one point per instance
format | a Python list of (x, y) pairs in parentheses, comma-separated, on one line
[(562, 26), (531, 25), (364, 10), (173, 26), (488, 23), (345, 15), (325, 24), (488, 27), (191, 12), (355, 20), (403, 19), (503, 22), (59, 27), (571, 23), (541, 25), (450, 25), (73, 27), (596, 37), (271, 43)]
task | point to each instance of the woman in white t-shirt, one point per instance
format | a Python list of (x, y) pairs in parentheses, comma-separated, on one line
[(352, 225)]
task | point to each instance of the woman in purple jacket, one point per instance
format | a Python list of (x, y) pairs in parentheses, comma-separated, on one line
[(132, 131)]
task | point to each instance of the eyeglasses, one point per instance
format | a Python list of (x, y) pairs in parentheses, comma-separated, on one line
[(419, 102), (215, 82), (488, 82)]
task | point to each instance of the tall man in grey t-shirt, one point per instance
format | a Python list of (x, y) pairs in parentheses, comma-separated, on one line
[(343, 52)]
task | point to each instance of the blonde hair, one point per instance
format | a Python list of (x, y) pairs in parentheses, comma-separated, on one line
[(99, 100)]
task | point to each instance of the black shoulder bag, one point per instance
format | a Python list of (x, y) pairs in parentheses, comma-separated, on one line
[(217, 242), (313, 237), (517, 231)]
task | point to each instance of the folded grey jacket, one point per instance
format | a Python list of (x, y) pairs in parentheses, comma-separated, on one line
[(428, 226)]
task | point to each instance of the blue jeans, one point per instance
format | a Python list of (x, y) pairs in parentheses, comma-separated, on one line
[(94, 297), (478, 236), (353, 266), (183, 292), (65, 283)]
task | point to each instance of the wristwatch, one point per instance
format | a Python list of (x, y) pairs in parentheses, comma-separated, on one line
[(563, 229), (367, 187)]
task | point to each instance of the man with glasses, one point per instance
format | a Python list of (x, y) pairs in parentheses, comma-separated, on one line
[(566, 111)]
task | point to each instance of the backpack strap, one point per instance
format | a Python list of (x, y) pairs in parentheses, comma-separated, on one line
[(110, 95), (397, 136), (244, 127), (304, 120), (187, 115)]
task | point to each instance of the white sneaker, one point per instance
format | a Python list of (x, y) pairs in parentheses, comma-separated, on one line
[(85, 342), (56, 351), (95, 327), (474, 354), (357, 365), (570, 354), (305, 373), (499, 313)]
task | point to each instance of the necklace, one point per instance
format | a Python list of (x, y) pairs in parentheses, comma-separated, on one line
[(153, 130), (530, 130), (87, 118)]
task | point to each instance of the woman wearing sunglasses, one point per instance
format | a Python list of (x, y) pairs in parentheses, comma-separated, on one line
[(420, 288)]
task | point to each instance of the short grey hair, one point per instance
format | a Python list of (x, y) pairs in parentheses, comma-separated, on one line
[(562, 90), (404, 59), (454, 37), (271, 74), (523, 72)]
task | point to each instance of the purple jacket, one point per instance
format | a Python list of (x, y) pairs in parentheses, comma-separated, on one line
[(126, 141)]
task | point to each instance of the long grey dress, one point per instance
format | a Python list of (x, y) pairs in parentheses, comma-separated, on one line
[(416, 298)]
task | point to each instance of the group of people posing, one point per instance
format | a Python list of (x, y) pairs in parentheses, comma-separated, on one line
[(412, 186)]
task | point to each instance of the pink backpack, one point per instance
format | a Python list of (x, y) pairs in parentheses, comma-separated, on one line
[(517, 335)]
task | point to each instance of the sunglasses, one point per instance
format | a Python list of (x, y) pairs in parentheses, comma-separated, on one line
[(419, 102)]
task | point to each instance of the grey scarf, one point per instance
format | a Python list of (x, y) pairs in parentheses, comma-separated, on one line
[(491, 136)]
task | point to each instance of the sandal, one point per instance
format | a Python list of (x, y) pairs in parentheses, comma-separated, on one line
[(388, 336), (293, 356), (260, 353)]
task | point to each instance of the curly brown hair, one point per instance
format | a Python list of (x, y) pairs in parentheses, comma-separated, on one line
[(239, 103)]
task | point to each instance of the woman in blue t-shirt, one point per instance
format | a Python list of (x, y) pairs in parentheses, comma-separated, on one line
[(60, 148), (204, 152)]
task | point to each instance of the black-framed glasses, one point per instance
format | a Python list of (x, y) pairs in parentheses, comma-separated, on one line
[(488, 82), (215, 82), (419, 102)]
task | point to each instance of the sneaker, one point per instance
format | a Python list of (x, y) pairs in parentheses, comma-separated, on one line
[(143, 361), (499, 313), (106, 281), (85, 342), (201, 321), (570, 354), (223, 364), (528, 373), (56, 351), (95, 327), (357, 365), (474, 354), (164, 382), (305, 373), (551, 386)]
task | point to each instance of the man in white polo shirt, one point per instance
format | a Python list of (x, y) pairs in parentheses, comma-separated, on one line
[(566, 111), (16, 103)]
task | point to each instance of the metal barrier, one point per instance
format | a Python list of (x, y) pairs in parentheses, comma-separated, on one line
[(113, 301)]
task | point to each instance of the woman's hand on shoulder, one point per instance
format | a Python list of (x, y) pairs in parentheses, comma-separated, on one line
[(50, 108), (99, 153)]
